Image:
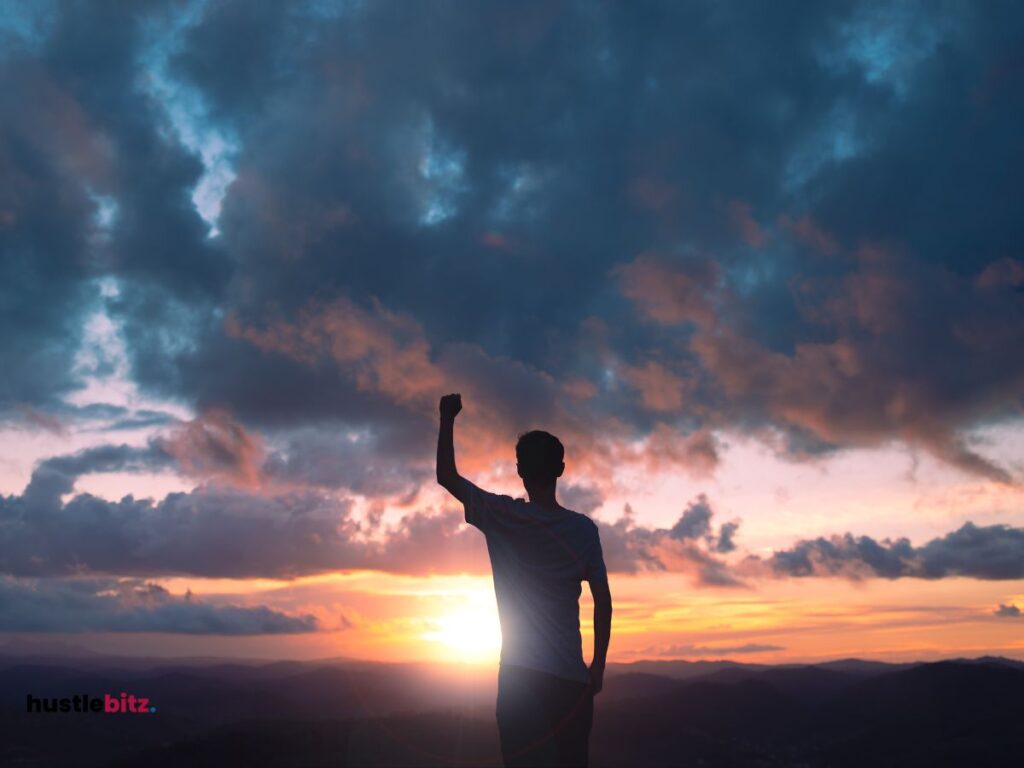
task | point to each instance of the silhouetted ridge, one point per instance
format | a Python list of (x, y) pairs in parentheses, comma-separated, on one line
[(847, 714)]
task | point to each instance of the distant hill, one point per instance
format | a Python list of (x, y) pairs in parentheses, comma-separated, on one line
[(840, 714), (681, 670)]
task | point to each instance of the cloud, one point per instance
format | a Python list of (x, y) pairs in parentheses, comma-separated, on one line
[(383, 351), (369, 462), (660, 389), (853, 389), (409, 212), (215, 448), (580, 498), (214, 445), (131, 605), (726, 534), (743, 220), (694, 522), (805, 230), (1007, 611), (689, 546), (232, 531), (671, 448), (994, 552), (235, 531), (210, 447), (670, 292), (299, 525), (216, 530)]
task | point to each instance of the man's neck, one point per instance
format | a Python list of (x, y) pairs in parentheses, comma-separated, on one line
[(544, 498)]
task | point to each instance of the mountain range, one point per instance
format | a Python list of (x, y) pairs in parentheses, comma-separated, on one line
[(342, 712)]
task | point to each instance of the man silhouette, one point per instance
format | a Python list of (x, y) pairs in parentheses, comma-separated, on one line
[(539, 552)]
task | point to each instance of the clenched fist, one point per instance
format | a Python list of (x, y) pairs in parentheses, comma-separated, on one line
[(450, 405)]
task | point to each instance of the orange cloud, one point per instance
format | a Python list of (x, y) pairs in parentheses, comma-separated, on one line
[(852, 390), (660, 388), (670, 293), (382, 351), (215, 446), (388, 353)]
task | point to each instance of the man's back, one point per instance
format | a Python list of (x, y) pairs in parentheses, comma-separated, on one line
[(539, 557)]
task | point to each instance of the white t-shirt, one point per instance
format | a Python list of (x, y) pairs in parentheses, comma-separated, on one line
[(538, 559)]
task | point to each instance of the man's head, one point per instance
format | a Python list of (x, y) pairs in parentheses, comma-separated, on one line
[(539, 457)]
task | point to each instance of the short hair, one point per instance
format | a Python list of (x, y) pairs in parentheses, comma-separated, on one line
[(540, 455)]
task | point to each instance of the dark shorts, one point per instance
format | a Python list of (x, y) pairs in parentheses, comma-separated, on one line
[(542, 719)]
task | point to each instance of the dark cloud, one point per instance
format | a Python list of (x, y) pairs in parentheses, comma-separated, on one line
[(368, 463), (45, 224), (212, 446), (216, 530), (93, 188), (689, 546), (580, 498), (60, 417), (695, 522), (215, 447), (102, 458), (131, 605), (839, 350), (632, 217), (981, 552), (726, 533)]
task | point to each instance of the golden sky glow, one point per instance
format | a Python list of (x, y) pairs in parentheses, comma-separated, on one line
[(453, 618)]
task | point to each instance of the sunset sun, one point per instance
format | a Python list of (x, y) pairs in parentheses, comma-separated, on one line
[(470, 634)]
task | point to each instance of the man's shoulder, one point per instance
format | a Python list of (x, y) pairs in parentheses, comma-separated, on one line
[(484, 509), (584, 523), (484, 495)]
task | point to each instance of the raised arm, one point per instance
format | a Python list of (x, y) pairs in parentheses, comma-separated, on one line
[(447, 474), (602, 630)]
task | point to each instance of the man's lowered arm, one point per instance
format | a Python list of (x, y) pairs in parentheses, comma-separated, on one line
[(602, 630), (447, 475)]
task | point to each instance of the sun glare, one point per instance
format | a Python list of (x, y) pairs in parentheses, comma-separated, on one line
[(469, 634)]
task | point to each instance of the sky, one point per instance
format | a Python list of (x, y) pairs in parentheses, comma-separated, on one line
[(758, 265)]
